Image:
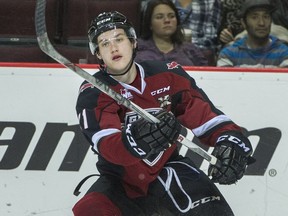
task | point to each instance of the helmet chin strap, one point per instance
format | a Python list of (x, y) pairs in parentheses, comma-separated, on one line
[(129, 66), (126, 71)]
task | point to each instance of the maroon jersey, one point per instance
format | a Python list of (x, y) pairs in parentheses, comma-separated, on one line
[(158, 85)]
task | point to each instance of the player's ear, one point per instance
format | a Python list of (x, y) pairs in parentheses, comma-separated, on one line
[(134, 44), (98, 55)]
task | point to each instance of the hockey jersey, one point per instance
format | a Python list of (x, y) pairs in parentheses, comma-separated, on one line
[(158, 85)]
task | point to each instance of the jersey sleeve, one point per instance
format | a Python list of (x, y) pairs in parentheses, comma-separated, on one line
[(196, 111), (99, 121)]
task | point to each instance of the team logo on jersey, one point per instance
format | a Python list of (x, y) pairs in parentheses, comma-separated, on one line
[(164, 101), (125, 93), (132, 116), (172, 65)]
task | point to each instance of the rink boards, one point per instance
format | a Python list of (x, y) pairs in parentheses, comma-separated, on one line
[(41, 160)]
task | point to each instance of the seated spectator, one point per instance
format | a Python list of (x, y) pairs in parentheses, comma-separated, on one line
[(232, 29), (258, 48), (203, 19), (163, 39)]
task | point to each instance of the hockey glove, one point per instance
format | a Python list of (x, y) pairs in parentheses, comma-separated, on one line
[(143, 138), (234, 156)]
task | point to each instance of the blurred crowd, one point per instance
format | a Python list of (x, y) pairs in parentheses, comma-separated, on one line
[(225, 33)]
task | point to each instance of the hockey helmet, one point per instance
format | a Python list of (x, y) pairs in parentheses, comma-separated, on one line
[(251, 4), (107, 21)]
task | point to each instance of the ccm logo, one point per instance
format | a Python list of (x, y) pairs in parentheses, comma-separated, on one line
[(160, 91), (234, 140), (102, 21), (205, 200), (132, 142)]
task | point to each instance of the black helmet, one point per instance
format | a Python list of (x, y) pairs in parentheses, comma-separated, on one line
[(251, 4), (107, 21)]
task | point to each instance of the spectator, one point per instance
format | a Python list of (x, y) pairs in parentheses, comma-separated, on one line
[(232, 29), (163, 38), (258, 48), (203, 18)]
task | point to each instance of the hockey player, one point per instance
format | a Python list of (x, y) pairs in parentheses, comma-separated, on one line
[(141, 171)]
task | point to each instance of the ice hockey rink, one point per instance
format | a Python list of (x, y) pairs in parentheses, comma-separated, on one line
[(43, 155)]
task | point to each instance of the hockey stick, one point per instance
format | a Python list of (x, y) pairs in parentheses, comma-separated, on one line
[(46, 46)]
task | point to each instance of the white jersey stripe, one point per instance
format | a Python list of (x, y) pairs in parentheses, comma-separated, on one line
[(100, 134), (210, 124)]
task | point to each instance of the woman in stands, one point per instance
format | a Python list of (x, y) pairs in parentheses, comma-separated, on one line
[(163, 39)]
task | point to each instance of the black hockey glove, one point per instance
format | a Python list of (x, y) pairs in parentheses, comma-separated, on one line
[(234, 156), (143, 138)]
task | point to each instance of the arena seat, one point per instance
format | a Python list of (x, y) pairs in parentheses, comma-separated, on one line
[(130, 8), (67, 23), (79, 14), (75, 23), (18, 41), (22, 53), (75, 54), (17, 24)]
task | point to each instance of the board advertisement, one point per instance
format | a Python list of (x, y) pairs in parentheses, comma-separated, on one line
[(43, 155)]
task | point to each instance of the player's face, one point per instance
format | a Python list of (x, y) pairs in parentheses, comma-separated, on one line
[(258, 23), (115, 49), (163, 21)]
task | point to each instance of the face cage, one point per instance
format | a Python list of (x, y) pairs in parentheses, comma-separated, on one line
[(130, 32)]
